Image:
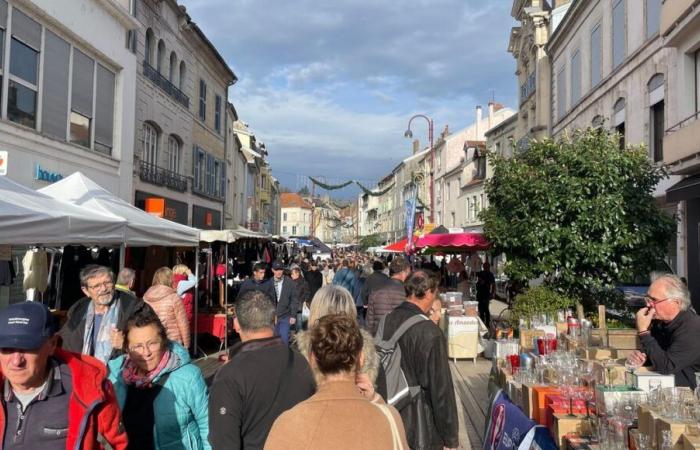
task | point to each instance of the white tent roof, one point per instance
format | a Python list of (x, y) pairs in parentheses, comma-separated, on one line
[(141, 228), (231, 235), (28, 217)]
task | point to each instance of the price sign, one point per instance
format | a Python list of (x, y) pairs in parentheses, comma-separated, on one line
[(3, 162)]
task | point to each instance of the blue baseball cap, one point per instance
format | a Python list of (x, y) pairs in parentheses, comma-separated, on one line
[(26, 325)]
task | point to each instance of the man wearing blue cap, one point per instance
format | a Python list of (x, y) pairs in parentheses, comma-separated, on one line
[(52, 399)]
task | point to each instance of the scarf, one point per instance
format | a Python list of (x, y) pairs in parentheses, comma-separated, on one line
[(103, 344), (134, 377)]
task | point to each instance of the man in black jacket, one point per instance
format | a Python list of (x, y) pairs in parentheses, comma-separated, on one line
[(257, 282), (286, 298), (375, 280), (430, 420), (314, 277), (95, 324), (262, 379), (669, 332)]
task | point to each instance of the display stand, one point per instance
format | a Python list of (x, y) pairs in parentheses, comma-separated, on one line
[(463, 334)]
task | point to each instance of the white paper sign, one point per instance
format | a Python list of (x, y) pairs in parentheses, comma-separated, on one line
[(3, 162)]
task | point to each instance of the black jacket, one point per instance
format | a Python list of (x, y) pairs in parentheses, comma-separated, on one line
[(302, 288), (425, 364), (671, 348), (250, 284), (288, 302), (256, 385), (73, 330), (315, 280), (374, 281)]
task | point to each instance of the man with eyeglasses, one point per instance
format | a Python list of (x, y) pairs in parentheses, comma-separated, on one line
[(95, 323), (669, 331)]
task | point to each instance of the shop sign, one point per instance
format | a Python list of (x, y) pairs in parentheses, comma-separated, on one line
[(3, 163), (162, 207), (206, 218), (41, 174)]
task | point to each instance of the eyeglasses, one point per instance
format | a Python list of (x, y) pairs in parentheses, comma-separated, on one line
[(141, 348), (655, 301), (106, 284)]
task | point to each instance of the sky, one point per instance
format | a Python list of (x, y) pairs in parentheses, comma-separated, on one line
[(329, 86)]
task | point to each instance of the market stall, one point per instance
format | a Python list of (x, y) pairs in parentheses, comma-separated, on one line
[(399, 246), (452, 243)]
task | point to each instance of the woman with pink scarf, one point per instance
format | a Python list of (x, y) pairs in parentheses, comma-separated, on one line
[(162, 395)]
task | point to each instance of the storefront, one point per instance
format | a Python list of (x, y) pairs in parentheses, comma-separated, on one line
[(206, 218), (164, 207)]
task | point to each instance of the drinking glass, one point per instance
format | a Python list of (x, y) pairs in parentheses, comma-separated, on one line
[(654, 396)]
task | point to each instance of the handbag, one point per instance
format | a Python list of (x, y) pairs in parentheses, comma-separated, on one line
[(397, 444)]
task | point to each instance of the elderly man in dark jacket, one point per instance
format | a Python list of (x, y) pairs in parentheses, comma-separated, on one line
[(286, 298), (374, 281), (384, 298), (669, 331), (430, 420), (95, 324), (314, 277)]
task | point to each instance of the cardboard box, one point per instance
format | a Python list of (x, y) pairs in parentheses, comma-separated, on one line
[(597, 353), (642, 376), (564, 425), (514, 391), (616, 372), (623, 353), (529, 399), (539, 406), (677, 429), (527, 339), (606, 396), (690, 442), (623, 338), (562, 328), (646, 420)]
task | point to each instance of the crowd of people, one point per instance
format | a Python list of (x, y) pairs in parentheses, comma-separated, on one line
[(338, 354)]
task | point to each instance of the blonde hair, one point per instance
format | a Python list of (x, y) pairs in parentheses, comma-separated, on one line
[(163, 276), (331, 299), (180, 269)]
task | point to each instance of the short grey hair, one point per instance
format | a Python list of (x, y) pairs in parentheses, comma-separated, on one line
[(331, 299), (255, 311), (92, 271), (676, 288), (126, 276)]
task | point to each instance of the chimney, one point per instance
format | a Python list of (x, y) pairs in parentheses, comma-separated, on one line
[(478, 123), (446, 131), (491, 104), (416, 146)]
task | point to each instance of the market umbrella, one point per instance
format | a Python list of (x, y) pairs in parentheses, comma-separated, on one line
[(400, 246), (440, 229), (452, 243)]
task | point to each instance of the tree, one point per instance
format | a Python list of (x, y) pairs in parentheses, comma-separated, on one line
[(578, 211), (304, 191), (371, 240)]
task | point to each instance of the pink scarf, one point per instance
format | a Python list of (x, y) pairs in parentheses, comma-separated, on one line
[(132, 375)]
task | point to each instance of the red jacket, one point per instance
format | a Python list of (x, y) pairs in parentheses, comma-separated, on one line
[(187, 297), (94, 418)]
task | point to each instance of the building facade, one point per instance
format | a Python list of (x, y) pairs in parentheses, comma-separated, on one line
[(67, 91), (180, 162), (296, 215)]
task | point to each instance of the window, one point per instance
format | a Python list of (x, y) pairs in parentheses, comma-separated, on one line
[(54, 109), (294, 230), (653, 16), (284, 228), (209, 174), (160, 57), (148, 48), (284, 216), (150, 144), (173, 154), (619, 120), (454, 222), (104, 110), (24, 70), (618, 32), (172, 69), (202, 100), (575, 77), (597, 121), (596, 61), (656, 119), (217, 113), (181, 79), (81, 98), (447, 191), (481, 166), (561, 92)]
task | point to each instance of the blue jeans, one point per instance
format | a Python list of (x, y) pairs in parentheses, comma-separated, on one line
[(282, 329)]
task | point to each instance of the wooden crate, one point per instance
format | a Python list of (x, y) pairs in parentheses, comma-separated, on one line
[(623, 339)]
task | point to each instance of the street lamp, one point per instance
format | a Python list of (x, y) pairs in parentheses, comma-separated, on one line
[(409, 134)]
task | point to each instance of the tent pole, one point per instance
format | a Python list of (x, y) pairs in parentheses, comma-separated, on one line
[(226, 299), (196, 298), (122, 255)]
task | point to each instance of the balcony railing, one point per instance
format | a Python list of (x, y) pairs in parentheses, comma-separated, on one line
[(159, 80), (150, 173)]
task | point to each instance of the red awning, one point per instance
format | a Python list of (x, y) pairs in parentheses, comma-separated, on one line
[(456, 241), (399, 246)]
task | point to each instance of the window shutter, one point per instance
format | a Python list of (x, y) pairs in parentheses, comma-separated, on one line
[(222, 192), (195, 164), (3, 13), (104, 106), (55, 103), (25, 29), (81, 97)]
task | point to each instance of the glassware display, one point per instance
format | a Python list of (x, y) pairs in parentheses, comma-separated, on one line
[(666, 440)]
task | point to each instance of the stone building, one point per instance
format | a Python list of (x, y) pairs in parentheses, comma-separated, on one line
[(296, 215)]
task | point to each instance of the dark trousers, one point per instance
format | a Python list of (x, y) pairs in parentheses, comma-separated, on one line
[(484, 312), (282, 329)]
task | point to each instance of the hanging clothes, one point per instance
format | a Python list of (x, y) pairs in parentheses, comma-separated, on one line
[(36, 270), (7, 273)]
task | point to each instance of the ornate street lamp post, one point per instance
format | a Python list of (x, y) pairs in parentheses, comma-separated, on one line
[(409, 134)]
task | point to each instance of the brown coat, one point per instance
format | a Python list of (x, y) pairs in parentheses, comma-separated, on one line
[(171, 312), (336, 417)]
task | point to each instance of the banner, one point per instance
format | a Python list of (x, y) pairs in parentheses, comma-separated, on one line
[(410, 218)]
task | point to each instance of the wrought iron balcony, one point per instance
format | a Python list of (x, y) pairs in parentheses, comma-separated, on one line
[(150, 173), (159, 80)]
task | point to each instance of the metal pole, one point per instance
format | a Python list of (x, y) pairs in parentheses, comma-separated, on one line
[(122, 255), (432, 172), (226, 298), (196, 298)]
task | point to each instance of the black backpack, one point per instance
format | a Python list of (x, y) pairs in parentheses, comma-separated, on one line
[(399, 393)]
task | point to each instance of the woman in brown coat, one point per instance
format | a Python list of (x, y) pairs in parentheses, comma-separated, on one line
[(168, 306), (340, 415)]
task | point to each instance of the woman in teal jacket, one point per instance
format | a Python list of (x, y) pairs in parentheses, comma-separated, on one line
[(162, 395)]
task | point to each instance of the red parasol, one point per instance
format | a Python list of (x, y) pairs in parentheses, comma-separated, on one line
[(449, 243)]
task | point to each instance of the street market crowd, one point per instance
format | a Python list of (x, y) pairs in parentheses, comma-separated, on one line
[(343, 353)]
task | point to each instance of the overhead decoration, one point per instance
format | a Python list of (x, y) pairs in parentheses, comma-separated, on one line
[(330, 187), (374, 194)]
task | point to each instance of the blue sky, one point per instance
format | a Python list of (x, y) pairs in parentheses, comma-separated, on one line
[(329, 86)]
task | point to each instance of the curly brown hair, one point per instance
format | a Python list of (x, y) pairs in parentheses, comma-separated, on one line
[(336, 344)]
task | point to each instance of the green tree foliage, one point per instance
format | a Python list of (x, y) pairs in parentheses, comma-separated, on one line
[(371, 240), (578, 211)]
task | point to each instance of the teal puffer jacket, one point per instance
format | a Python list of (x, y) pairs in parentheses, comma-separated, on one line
[(184, 426)]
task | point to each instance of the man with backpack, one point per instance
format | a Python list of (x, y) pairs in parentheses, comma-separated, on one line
[(422, 388)]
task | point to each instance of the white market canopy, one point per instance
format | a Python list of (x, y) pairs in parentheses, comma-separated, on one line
[(140, 229), (231, 235), (28, 217)]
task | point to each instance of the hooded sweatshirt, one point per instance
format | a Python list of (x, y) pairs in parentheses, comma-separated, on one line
[(171, 312)]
